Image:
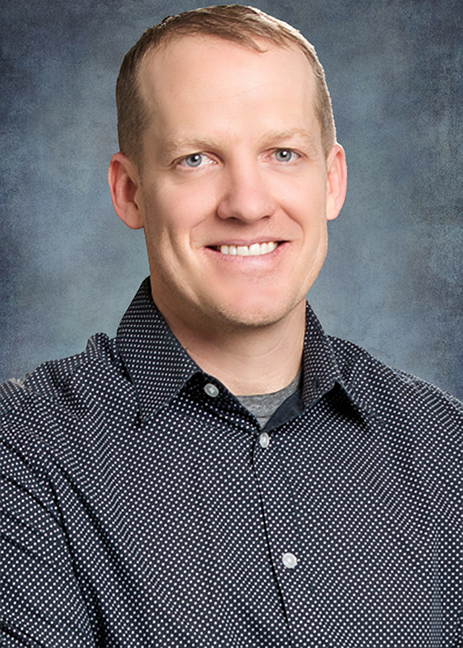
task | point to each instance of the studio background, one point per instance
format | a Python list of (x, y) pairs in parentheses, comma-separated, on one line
[(393, 277)]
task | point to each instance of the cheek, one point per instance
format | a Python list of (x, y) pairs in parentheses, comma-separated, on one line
[(308, 220), (176, 212), (169, 232), (304, 197)]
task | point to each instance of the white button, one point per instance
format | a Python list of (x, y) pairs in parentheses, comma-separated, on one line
[(289, 560), (264, 440), (211, 390)]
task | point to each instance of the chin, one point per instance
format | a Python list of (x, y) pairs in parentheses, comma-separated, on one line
[(254, 316)]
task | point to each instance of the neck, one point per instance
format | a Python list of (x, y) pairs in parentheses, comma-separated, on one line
[(246, 360)]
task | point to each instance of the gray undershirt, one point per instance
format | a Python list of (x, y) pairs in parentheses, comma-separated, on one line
[(263, 406)]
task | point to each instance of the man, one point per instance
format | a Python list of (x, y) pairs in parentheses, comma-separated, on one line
[(222, 473)]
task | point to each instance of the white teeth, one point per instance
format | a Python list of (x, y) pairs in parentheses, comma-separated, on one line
[(256, 249)]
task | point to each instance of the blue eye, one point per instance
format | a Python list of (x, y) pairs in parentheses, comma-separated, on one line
[(284, 155), (193, 160)]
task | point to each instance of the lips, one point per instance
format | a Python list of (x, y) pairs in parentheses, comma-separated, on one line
[(255, 249)]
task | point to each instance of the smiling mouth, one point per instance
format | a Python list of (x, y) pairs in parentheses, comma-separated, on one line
[(256, 249)]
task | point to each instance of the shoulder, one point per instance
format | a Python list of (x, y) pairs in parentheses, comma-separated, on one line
[(54, 381), (417, 424), (391, 393)]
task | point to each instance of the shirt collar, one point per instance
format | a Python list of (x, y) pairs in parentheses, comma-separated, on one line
[(155, 361), (158, 365), (319, 364)]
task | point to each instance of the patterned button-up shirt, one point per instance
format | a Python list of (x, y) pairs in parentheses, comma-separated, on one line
[(143, 507)]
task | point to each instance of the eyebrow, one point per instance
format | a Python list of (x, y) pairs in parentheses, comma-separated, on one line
[(171, 147)]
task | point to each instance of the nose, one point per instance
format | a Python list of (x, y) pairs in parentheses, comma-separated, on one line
[(246, 196)]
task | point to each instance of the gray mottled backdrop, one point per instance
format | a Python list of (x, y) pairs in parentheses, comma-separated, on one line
[(393, 278)]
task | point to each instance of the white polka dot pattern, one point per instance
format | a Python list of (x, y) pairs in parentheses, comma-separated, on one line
[(143, 505)]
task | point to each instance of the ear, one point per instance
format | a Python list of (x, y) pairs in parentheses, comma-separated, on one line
[(124, 182), (336, 181)]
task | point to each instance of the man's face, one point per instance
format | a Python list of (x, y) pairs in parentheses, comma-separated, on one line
[(234, 190)]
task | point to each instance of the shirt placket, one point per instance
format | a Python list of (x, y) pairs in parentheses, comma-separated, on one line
[(283, 530)]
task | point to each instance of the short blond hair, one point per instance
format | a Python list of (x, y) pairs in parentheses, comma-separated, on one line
[(236, 23)]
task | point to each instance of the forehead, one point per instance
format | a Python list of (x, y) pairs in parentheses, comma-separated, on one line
[(195, 79), (209, 61)]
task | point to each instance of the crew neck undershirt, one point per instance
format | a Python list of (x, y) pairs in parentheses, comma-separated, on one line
[(263, 406)]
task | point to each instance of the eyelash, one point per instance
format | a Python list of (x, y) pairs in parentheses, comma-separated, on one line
[(287, 150), (182, 162), (192, 155)]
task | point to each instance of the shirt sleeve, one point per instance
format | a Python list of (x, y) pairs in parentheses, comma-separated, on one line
[(41, 602)]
